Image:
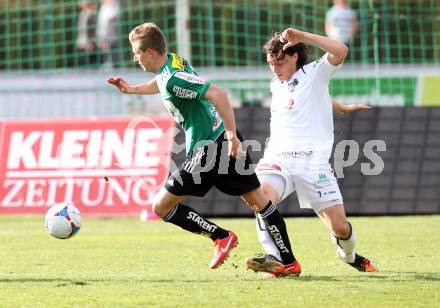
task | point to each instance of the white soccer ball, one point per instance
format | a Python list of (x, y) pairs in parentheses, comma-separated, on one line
[(63, 220)]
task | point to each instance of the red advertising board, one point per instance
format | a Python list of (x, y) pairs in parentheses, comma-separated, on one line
[(107, 167)]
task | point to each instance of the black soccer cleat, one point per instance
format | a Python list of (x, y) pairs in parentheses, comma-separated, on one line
[(271, 265), (362, 264)]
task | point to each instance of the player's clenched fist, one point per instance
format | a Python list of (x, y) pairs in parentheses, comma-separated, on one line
[(291, 37)]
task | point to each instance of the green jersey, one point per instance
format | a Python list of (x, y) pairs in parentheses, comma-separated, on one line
[(183, 93)]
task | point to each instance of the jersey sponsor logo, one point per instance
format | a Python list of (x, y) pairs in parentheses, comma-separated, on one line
[(290, 104), (184, 93), (296, 154), (190, 77), (323, 181), (292, 85), (201, 222), (278, 239), (326, 193), (177, 62), (264, 167)]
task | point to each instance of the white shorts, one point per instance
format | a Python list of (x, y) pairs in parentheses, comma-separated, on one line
[(314, 183)]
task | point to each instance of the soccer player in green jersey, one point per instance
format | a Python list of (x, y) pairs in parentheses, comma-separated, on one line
[(202, 109)]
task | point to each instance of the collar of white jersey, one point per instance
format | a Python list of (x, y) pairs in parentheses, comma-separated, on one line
[(294, 75)]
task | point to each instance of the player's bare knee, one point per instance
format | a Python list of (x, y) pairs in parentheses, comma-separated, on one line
[(341, 229), (156, 208), (251, 205), (256, 199), (159, 208), (265, 190)]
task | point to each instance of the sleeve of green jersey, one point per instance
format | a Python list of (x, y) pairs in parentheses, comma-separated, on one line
[(187, 86)]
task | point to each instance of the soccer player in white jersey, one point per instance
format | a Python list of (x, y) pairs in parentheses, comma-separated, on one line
[(301, 139)]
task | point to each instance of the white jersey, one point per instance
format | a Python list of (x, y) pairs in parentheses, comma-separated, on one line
[(343, 21), (301, 110)]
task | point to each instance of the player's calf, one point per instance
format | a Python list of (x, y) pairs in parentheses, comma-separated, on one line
[(346, 252), (346, 245)]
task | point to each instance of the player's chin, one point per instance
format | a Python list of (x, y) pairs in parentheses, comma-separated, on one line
[(281, 78)]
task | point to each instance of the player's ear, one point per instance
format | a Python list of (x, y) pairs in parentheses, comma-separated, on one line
[(149, 51), (295, 56)]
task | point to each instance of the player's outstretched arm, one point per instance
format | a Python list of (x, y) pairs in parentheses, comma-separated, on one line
[(337, 50), (219, 99), (149, 87), (347, 109)]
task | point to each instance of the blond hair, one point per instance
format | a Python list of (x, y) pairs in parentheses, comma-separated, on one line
[(150, 36)]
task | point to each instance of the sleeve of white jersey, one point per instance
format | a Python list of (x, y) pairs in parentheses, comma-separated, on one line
[(325, 69)]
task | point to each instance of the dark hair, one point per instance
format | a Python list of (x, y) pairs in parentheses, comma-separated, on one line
[(274, 47), (150, 36)]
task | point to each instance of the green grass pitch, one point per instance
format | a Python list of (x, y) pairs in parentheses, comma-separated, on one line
[(125, 263)]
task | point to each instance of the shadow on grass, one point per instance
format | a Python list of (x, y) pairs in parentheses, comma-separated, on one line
[(307, 278), (369, 277), (67, 282), (366, 278), (419, 276), (385, 276), (62, 282)]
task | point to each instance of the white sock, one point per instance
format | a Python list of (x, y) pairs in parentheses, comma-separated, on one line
[(346, 246), (265, 239)]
